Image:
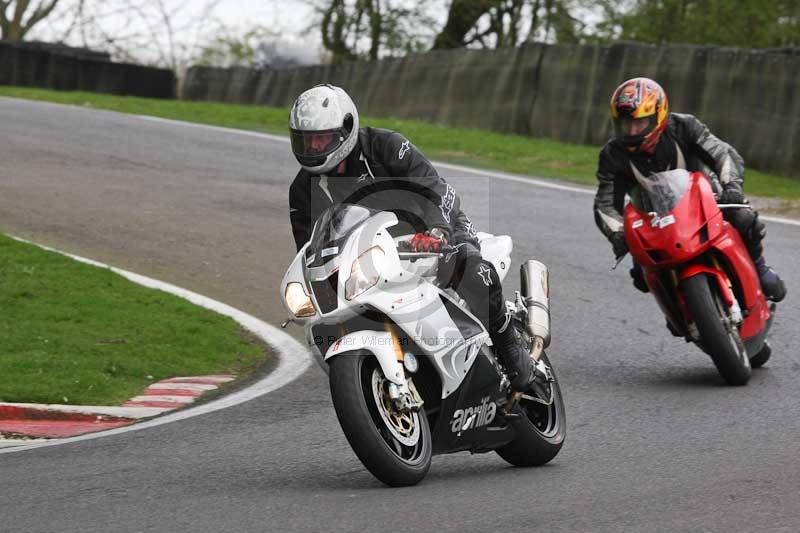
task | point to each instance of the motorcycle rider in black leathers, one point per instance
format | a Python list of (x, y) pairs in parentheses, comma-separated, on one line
[(380, 169), (648, 138)]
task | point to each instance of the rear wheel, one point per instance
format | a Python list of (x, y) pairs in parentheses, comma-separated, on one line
[(541, 430), (394, 446), (719, 336)]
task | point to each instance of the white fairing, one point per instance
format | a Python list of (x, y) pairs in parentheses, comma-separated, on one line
[(407, 297), (380, 343), (497, 250), (295, 273)]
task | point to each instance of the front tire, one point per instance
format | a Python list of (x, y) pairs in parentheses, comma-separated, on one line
[(718, 335), (759, 359), (395, 447), (541, 431)]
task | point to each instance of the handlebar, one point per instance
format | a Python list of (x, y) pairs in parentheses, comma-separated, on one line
[(721, 206), (418, 255), (735, 206), (405, 252)]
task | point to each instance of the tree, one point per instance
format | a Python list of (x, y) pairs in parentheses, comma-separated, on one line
[(461, 18), (743, 23), (256, 47), (165, 33), (15, 27), (228, 50), (171, 33), (501, 23), (369, 29)]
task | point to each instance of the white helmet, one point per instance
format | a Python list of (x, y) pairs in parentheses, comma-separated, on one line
[(323, 124)]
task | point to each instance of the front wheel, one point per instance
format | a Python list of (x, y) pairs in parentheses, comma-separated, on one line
[(719, 336), (541, 430), (394, 446)]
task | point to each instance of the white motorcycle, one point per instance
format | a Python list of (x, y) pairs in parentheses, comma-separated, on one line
[(412, 371)]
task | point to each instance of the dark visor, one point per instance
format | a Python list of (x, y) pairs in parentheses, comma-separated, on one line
[(624, 120), (316, 144)]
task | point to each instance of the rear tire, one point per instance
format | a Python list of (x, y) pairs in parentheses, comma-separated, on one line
[(392, 461), (718, 335), (540, 432)]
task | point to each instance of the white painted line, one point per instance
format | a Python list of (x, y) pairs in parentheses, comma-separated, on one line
[(538, 182), (194, 387), (209, 127), (144, 412), (293, 358), (199, 379), (525, 180), (779, 220), (9, 443), (174, 399)]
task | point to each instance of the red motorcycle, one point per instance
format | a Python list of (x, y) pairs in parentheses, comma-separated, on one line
[(699, 270)]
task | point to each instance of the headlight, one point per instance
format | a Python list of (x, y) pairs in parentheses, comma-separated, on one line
[(298, 301), (365, 273)]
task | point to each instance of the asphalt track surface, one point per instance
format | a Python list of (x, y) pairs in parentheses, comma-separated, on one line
[(655, 441)]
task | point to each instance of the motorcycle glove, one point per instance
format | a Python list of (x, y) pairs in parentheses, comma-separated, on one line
[(421, 242), (617, 240), (732, 196), (638, 278)]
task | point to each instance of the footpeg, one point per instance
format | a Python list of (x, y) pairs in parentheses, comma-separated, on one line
[(507, 409)]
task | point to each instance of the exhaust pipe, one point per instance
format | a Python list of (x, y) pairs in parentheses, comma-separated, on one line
[(535, 289)]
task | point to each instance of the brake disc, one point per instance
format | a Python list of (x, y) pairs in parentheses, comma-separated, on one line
[(404, 426)]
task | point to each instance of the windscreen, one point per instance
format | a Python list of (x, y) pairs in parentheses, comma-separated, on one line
[(332, 228), (660, 192)]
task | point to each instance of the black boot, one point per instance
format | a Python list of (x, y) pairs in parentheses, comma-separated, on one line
[(772, 285), (510, 348), (637, 274)]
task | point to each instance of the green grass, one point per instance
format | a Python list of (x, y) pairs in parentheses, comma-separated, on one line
[(478, 148), (77, 334)]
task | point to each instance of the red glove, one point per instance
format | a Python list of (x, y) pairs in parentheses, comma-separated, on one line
[(421, 242)]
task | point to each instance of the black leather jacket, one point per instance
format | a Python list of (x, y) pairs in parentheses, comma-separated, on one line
[(384, 172), (685, 143)]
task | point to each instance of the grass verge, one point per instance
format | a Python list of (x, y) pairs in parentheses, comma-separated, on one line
[(77, 334), (483, 149)]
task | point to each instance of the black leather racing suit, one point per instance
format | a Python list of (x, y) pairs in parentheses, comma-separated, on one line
[(386, 172), (685, 143)]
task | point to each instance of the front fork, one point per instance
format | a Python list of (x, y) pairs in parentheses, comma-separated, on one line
[(724, 284), (404, 399)]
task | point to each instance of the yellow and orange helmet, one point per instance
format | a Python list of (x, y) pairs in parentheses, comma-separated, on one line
[(633, 101)]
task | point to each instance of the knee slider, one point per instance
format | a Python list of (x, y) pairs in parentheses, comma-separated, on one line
[(757, 229)]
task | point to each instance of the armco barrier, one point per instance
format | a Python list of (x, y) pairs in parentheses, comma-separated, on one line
[(48, 68), (750, 98)]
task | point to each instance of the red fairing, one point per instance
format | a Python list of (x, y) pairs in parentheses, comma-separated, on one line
[(694, 238), (674, 238), (719, 276)]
